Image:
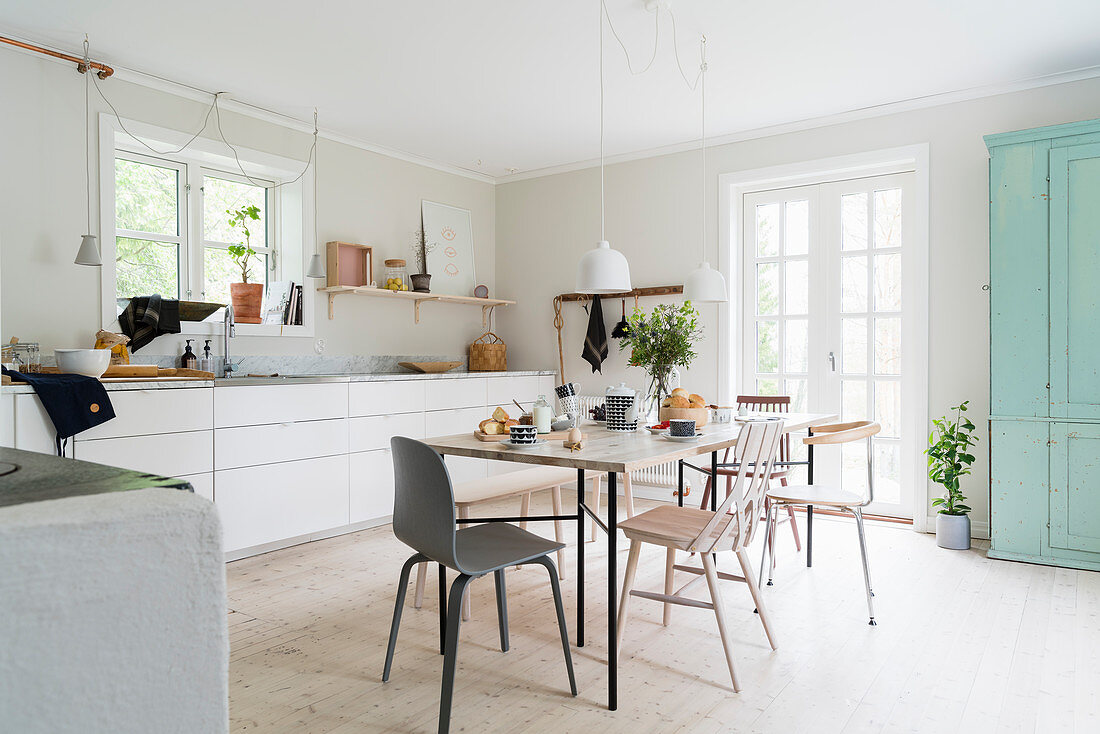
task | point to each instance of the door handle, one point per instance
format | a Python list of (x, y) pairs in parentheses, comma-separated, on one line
[(832, 361)]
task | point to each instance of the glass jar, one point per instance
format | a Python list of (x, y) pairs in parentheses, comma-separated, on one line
[(543, 415), (397, 275)]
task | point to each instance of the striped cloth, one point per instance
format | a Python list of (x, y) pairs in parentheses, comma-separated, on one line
[(147, 317)]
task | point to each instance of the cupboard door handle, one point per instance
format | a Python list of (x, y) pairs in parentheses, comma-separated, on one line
[(832, 361)]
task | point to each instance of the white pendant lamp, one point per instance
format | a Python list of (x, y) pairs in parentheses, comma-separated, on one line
[(316, 267), (602, 269), (704, 284), (88, 254)]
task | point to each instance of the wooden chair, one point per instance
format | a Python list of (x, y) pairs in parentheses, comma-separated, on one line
[(517, 483), (763, 404), (705, 532), (832, 497)]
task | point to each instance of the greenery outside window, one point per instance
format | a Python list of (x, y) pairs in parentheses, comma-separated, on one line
[(149, 226)]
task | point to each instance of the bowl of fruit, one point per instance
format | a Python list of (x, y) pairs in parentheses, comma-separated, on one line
[(658, 428)]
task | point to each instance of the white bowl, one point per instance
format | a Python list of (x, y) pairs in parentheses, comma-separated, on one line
[(89, 362)]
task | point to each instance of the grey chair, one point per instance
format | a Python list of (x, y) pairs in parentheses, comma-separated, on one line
[(424, 519)]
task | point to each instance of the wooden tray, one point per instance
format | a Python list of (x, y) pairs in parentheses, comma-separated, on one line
[(429, 368), (552, 436)]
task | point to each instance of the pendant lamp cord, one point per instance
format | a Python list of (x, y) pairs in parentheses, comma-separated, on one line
[(703, 136), (314, 155), (87, 147), (603, 235)]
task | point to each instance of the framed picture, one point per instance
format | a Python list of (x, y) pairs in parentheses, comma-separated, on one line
[(451, 261)]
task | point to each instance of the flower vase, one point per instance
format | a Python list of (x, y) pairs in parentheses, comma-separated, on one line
[(657, 391)]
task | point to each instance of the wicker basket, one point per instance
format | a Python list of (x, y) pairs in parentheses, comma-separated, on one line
[(488, 353)]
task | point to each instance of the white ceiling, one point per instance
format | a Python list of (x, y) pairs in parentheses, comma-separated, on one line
[(514, 83)]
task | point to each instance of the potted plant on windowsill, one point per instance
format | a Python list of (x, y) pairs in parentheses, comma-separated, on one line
[(658, 342), (421, 279), (949, 459), (247, 298)]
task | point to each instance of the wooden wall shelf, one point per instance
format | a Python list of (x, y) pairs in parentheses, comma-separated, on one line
[(487, 304)]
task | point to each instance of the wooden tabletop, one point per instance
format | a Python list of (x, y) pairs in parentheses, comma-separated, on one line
[(611, 451)]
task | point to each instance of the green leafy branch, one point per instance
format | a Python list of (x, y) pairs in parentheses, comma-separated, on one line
[(242, 253), (949, 459), (663, 338)]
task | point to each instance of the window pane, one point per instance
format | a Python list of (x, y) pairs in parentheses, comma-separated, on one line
[(767, 387), (888, 218), (887, 471), (794, 346), (767, 346), (767, 229), (888, 407), (218, 195), (853, 457), (853, 283), (143, 267), (888, 346), (798, 228), (767, 289), (797, 390), (888, 282), (146, 197), (796, 289), (219, 270), (853, 221), (854, 357), (853, 400)]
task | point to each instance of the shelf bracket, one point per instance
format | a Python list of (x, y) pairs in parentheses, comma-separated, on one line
[(416, 307), (331, 306)]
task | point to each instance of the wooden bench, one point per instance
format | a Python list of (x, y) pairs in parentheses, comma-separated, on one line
[(517, 483)]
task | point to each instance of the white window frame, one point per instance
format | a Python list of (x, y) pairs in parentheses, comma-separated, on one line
[(291, 216), (731, 190), (271, 214)]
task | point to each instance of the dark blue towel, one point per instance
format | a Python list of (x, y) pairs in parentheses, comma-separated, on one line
[(74, 403)]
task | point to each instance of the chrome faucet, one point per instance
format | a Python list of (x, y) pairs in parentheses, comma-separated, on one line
[(230, 330)]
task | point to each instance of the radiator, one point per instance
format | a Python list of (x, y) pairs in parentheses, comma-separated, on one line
[(662, 475)]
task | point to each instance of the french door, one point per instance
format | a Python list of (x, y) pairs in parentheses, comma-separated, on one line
[(823, 296)]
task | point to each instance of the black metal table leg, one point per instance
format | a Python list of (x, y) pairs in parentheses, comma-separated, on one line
[(580, 558), (612, 595), (680, 483), (714, 481), (810, 508)]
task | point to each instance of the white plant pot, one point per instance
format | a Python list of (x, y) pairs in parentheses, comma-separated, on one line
[(953, 531)]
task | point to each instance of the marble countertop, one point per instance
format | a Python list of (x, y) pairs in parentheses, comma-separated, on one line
[(171, 383)]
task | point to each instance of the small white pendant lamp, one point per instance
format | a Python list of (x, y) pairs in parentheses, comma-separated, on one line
[(88, 254), (704, 284), (316, 267), (602, 269)]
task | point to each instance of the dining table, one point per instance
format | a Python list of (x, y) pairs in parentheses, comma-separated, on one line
[(615, 453)]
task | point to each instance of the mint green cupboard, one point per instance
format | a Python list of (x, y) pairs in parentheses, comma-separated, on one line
[(1044, 270)]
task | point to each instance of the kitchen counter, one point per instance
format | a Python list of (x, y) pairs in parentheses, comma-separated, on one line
[(175, 382)]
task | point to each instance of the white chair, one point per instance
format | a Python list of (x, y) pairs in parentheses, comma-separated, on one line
[(825, 496)]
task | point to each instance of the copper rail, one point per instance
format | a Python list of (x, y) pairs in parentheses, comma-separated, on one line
[(102, 70)]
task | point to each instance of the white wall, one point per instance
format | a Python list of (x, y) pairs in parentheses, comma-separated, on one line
[(545, 224), (362, 197)]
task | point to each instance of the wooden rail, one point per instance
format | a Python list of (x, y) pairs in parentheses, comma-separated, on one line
[(102, 70)]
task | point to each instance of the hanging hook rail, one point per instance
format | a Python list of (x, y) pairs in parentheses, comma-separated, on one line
[(102, 70)]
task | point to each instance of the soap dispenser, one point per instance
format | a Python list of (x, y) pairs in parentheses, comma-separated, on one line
[(189, 361), (206, 364)]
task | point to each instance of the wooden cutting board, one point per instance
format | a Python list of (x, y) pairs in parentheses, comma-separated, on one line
[(131, 370), (552, 436)]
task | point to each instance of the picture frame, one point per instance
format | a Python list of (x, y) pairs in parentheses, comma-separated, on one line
[(451, 262)]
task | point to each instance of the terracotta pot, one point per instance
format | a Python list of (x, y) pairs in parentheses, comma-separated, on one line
[(421, 282), (247, 302)]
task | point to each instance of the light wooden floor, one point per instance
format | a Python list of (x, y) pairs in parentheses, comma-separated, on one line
[(964, 644)]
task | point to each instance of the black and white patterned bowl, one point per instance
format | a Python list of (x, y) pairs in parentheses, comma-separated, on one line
[(523, 434), (681, 427)]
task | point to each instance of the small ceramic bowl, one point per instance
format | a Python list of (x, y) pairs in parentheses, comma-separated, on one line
[(523, 434), (681, 427), (722, 414), (88, 362)]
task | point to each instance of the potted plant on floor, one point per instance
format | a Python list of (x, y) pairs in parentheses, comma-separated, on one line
[(421, 279), (659, 341), (247, 298), (949, 460)]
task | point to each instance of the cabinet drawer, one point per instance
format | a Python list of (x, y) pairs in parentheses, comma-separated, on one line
[(371, 495), (203, 484), (450, 422), (167, 454), (32, 428), (263, 504), (167, 410), (368, 434), (259, 404), (252, 445), (384, 398), (524, 389), (462, 392)]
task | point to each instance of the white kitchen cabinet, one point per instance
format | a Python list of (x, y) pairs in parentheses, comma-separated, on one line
[(254, 445), (546, 385), (371, 495), (374, 432), (465, 392), (7, 420), (34, 430), (455, 420), (254, 405), (147, 412), (203, 484), (525, 389), (265, 504), (385, 398), (167, 454)]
